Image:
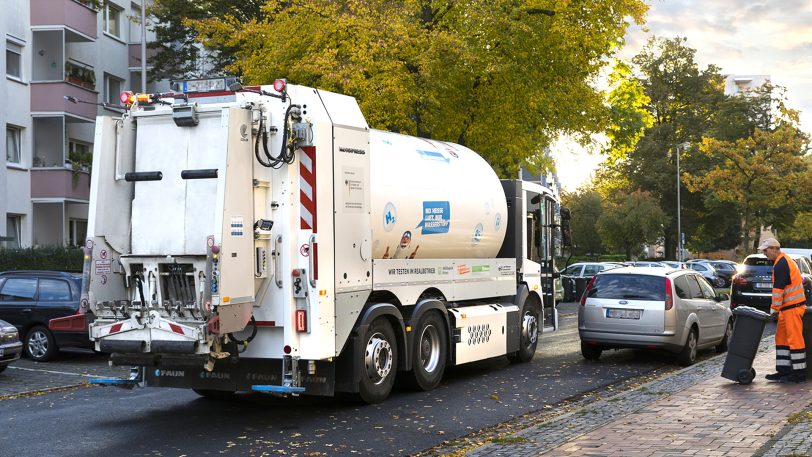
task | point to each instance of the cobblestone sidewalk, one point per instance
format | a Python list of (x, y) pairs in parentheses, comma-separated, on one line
[(692, 412)]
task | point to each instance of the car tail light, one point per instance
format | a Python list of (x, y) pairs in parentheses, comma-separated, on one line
[(739, 280), (586, 291), (669, 296)]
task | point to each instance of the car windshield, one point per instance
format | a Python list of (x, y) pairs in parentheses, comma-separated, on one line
[(628, 287)]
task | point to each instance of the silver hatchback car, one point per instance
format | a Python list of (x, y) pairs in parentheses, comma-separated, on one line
[(656, 308)]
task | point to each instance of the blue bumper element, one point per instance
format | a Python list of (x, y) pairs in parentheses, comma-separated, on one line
[(116, 382), (279, 389)]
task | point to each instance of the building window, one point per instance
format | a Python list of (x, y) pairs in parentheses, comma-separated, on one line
[(13, 232), (112, 89), (13, 137), (112, 20), (78, 232), (14, 57)]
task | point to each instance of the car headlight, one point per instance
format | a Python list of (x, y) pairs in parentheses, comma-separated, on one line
[(9, 331)]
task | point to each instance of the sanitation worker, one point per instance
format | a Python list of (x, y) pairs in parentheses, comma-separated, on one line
[(789, 302)]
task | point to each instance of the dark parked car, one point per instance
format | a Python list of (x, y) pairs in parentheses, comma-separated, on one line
[(30, 299), (578, 274), (724, 270), (752, 285), (10, 345)]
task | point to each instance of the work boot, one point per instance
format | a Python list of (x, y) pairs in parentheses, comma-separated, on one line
[(792, 378), (774, 376)]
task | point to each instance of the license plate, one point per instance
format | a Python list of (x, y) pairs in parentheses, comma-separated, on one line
[(763, 285), (623, 313)]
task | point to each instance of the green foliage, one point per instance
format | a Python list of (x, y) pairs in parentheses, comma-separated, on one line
[(629, 117), (586, 207), (633, 220), (45, 258), (799, 234), (500, 77)]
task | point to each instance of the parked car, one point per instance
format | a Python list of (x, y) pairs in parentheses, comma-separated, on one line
[(708, 271), (582, 271), (10, 345), (30, 299), (649, 264), (724, 269), (674, 264), (658, 308), (752, 285)]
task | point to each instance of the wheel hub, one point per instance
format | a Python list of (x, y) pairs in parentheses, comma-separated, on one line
[(530, 328), (429, 348), (38, 344), (378, 358)]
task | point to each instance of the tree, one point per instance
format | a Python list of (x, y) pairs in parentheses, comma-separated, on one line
[(501, 77), (586, 207), (632, 221), (766, 175)]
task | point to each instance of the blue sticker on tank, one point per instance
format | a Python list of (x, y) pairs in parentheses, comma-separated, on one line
[(497, 222), (432, 155), (477, 234), (390, 215), (436, 218)]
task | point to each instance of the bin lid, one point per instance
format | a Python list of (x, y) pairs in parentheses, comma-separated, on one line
[(751, 312)]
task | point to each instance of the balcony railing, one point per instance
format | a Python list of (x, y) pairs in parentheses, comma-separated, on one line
[(60, 183), (49, 97), (73, 15)]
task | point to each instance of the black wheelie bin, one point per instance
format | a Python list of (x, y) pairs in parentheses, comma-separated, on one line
[(741, 351), (808, 341)]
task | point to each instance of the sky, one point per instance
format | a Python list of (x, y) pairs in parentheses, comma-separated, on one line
[(742, 37)]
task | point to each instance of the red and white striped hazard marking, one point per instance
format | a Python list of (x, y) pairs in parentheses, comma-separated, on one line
[(307, 184)]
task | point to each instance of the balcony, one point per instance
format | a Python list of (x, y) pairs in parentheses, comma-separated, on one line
[(59, 183), (49, 97), (78, 20)]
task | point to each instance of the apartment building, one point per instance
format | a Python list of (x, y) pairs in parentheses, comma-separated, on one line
[(65, 62), (741, 84)]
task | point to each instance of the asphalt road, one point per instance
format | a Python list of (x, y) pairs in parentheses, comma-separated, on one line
[(166, 422)]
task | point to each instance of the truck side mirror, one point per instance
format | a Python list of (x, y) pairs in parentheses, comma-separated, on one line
[(566, 233)]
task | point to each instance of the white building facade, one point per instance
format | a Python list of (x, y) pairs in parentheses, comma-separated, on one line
[(88, 50)]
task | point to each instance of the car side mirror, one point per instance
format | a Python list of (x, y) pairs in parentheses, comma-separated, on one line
[(724, 296)]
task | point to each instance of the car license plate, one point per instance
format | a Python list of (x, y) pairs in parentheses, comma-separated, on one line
[(763, 285), (623, 313)]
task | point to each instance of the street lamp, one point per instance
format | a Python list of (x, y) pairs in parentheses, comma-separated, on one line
[(680, 236)]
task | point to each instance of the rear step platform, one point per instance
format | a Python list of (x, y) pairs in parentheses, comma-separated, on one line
[(136, 379)]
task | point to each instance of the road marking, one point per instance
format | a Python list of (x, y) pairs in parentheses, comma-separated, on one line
[(57, 372)]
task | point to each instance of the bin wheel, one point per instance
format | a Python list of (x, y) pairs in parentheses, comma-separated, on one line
[(746, 376)]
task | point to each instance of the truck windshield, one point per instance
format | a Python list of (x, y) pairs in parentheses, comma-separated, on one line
[(628, 287)]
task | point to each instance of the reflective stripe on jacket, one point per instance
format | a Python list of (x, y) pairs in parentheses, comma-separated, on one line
[(793, 294)]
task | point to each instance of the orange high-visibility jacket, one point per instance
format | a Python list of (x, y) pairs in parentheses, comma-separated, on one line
[(793, 294)]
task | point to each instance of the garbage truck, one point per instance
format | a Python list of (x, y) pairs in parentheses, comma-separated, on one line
[(267, 239)]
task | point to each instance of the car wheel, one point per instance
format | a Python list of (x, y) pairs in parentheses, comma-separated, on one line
[(591, 351), (379, 363), (429, 351), (688, 354), (530, 322), (725, 343), (40, 345), (718, 282)]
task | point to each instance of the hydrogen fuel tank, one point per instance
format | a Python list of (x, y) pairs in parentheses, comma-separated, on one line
[(433, 200)]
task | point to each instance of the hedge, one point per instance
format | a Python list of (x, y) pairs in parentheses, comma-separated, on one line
[(45, 258)]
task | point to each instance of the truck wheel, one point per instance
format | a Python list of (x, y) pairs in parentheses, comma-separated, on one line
[(429, 351), (529, 321), (380, 362), (40, 345), (688, 354)]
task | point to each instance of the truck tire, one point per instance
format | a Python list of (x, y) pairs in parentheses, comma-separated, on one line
[(379, 363), (40, 345), (529, 324), (429, 351)]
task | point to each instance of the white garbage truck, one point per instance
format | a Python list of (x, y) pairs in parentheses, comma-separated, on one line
[(266, 239)]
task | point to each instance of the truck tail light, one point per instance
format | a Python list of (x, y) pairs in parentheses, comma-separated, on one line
[(301, 320), (586, 290), (669, 296)]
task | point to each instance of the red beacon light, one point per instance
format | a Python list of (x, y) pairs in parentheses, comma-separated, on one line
[(126, 98), (279, 85)]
